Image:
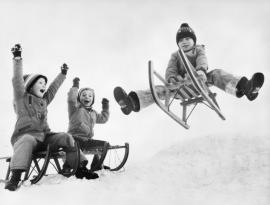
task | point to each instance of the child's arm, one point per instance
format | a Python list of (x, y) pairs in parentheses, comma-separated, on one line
[(17, 80), (72, 97), (172, 74), (201, 60), (104, 115), (54, 86)]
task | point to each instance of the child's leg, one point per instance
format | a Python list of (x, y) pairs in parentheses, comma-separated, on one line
[(238, 86), (23, 149), (21, 159), (137, 100), (225, 81), (65, 141)]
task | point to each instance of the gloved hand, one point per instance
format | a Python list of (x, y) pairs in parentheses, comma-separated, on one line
[(76, 82), (172, 81), (64, 69), (105, 104), (16, 50), (202, 75)]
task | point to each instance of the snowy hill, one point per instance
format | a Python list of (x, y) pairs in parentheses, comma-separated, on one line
[(207, 170)]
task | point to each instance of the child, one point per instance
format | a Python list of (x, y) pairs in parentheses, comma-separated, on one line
[(186, 39), (32, 131), (82, 119)]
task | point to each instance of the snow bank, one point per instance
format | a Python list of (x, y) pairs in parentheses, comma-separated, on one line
[(207, 170)]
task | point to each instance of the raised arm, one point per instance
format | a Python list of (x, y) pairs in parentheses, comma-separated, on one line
[(72, 97), (17, 80), (54, 86), (103, 117)]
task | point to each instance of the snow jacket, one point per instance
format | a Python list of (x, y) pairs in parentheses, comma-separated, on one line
[(81, 120), (196, 57), (31, 110)]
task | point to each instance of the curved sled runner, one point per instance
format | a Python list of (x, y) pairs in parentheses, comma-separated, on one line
[(189, 92), (113, 157), (40, 162)]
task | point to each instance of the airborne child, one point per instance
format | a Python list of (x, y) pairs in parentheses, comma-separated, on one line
[(82, 119), (175, 72), (32, 131)]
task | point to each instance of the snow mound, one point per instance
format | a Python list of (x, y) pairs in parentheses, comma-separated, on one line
[(218, 160)]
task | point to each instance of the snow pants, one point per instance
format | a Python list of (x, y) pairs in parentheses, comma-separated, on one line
[(27, 144), (218, 77)]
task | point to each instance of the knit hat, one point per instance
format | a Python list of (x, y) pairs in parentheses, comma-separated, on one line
[(185, 31), (83, 89), (31, 79)]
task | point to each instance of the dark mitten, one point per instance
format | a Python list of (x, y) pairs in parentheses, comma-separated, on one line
[(76, 82), (16, 50), (105, 104), (64, 69)]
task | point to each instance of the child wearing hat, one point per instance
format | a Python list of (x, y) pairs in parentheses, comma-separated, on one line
[(32, 131), (82, 119), (175, 72)]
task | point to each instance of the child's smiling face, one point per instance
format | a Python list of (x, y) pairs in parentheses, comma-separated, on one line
[(87, 97), (39, 87), (186, 43)]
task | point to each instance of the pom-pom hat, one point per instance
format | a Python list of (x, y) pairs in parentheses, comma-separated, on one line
[(31, 79), (185, 31)]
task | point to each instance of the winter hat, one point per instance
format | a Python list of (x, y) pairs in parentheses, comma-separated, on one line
[(31, 79), (83, 89), (185, 31)]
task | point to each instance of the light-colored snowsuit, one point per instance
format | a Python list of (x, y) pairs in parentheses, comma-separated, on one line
[(31, 130), (175, 69), (81, 120)]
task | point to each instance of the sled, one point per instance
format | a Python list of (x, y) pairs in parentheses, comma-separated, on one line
[(113, 157), (40, 163), (190, 92)]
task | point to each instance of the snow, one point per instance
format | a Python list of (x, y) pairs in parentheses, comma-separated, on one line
[(207, 170)]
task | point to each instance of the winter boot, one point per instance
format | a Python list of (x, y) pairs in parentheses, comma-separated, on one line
[(12, 184), (82, 172), (254, 85), (251, 87), (135, 101), (123, 100)]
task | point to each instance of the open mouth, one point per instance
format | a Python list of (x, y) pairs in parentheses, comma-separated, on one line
[(42, 90), (86, 101)]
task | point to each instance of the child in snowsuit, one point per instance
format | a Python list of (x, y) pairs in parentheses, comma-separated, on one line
[(82, 119), (175, 72), (32, 131)]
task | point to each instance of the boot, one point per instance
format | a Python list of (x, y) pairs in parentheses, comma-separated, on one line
[(134, 101), (253, 86), (82, 172), (12, 184), (250, 88), (123, 100)]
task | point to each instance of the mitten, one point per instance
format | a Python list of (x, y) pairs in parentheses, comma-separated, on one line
[(16, 50), (105, 104), (76, 82), (202, 75), (64, 69)]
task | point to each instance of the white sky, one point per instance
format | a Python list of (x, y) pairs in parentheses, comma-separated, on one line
[(108, 43)]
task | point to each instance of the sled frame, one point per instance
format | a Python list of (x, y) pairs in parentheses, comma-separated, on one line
[(41, 160), (205, 95)]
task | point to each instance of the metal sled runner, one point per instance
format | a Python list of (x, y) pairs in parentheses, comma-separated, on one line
[(189, 92), (113, 157)]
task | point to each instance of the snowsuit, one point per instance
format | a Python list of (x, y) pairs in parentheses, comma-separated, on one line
[(175, 69), (82, 121), (32, 132)]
